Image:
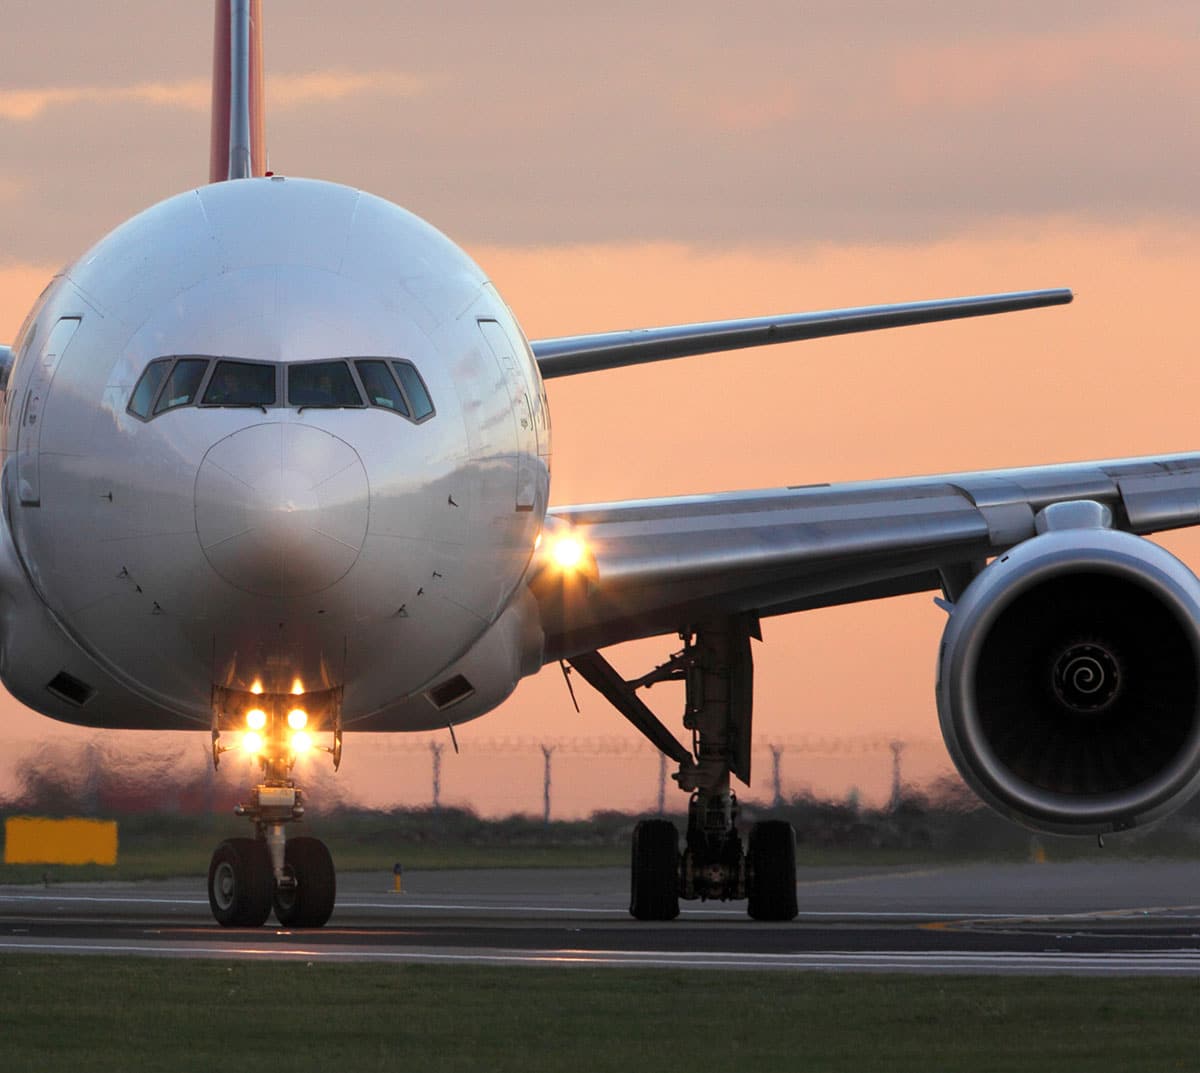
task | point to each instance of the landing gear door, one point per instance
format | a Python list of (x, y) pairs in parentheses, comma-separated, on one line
[(522, 409), (29, 432)]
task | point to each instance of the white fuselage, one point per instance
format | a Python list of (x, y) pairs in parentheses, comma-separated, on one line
[(157, 561)]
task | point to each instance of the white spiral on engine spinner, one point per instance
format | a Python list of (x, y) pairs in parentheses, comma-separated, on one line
[(1087, 677), (1085, 674)]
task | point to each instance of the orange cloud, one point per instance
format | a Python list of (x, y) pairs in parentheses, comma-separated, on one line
[(291, 91), (734, 109), (283, 91), (968, 74)]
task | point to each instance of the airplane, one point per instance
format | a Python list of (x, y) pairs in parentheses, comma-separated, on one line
[(277, 466)]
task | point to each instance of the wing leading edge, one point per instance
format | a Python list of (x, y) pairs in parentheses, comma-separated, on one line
[(611, 350), (663, 565)]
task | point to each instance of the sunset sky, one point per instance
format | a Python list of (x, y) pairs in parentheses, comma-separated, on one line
[(643, 164)]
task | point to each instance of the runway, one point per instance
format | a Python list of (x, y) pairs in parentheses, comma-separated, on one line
[(1090, 918)]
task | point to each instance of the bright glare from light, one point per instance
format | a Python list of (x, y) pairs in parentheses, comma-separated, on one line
[(252, 742), (256, 719), (256, 688), (567, 552), (297, 718), (297, 687), (301, 742)]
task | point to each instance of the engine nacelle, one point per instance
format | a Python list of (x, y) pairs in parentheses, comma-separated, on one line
[(1069, 682)]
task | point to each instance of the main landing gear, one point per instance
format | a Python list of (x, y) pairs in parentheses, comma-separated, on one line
[(248, 878), (716, 668)]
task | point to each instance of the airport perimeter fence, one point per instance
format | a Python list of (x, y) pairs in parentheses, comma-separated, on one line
[(551, 778)]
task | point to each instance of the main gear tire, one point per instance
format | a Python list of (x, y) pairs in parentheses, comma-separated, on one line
[(771, 871), (654, 890)]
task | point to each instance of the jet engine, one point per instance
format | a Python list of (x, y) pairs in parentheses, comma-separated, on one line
[(1069, 681)]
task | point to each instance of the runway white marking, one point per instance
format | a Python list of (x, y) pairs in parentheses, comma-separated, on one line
[(1169, 963), (401, 904)]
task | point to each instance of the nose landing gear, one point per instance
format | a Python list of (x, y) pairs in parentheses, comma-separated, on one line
[(250, 877)]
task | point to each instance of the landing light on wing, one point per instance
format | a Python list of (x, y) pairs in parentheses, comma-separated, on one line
[(567, 551)]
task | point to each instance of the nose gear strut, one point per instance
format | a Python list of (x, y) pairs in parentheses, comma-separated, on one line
[(250, 877)]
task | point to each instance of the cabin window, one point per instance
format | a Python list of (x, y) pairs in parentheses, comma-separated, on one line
[(322, 384), (182, 385), (414, 388), (147, 387), (241, 383), (380, 386)]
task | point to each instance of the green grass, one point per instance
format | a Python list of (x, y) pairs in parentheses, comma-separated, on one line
[(190, 858), (98, 1013), (188, 855), (157, 846)]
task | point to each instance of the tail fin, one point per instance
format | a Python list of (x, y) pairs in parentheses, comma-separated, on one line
[(238, 149)]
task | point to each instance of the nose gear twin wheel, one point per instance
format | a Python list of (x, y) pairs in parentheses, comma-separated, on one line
[(242, 889), (309, 902), (240, 883)]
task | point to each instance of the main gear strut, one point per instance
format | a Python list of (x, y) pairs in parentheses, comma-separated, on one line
[(716, 667)]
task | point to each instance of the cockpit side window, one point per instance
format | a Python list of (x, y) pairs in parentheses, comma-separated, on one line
[(322, 384), (147, 387), (380, 386), (182, 385), (414, 388), (241, 383)]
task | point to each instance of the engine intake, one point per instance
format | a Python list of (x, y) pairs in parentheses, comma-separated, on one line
[(1069, 682)]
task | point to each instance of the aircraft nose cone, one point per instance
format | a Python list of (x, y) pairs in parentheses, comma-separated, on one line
[(281, 509)]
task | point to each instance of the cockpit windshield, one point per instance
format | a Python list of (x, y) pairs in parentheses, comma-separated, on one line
[(322, 383), (241, 383), (386, 383)]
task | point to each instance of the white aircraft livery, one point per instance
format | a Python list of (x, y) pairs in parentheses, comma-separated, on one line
[(277, 465)]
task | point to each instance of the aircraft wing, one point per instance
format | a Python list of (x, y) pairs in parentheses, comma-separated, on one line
[(611, 350), (663, 565)]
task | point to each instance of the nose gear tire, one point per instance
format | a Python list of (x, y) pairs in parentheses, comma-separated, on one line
[(240, 883), (310, 902)]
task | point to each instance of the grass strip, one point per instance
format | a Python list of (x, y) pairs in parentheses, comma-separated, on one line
[(101, 1013), (190, 857)]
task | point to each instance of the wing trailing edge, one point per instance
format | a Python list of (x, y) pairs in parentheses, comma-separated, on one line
[(574, 354)]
